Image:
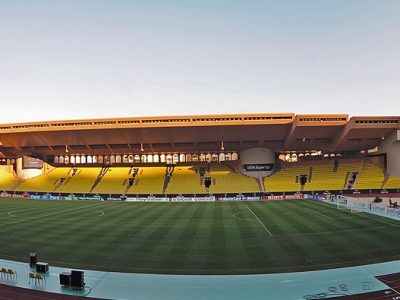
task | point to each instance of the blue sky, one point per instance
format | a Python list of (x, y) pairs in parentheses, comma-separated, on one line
[(96, 58)]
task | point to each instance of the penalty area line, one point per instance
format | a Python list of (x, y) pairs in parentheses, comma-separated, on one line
[(314, 211), (47, 215), (262, 224)]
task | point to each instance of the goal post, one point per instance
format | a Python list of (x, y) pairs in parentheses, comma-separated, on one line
[(354, 205)]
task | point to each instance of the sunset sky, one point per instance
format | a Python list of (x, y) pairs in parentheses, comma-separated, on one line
[(87, 59)]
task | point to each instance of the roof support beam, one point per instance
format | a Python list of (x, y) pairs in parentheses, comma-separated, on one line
[(43, 140), (290, 136), (151, 147), (341, 137), (3, 139), (125, 139)]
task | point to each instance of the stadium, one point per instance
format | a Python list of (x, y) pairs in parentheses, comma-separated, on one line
[(199, 150), (199, 195)]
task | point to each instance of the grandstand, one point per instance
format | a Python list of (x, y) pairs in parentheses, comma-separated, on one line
[(231, 165), (321, 175), (114, 181), (326, 177), (370, 177), (150, 180), (186, 180), (224, 180), (223, 164), (80, 181), (46, 182), (392, 183), (7, 180)]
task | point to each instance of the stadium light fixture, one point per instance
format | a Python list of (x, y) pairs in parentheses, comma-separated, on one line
[(141, 147), (222, 146), (66, 148)]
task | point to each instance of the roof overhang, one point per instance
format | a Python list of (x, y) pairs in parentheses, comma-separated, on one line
[(280, 132)]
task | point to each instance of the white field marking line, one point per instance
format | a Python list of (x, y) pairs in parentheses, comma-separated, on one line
[(240, 212), (314, 211), (10, 213), (41, 216), (331, 232), (380, 221), (363, 214), (343, 218), (262, 224), (100, 213)]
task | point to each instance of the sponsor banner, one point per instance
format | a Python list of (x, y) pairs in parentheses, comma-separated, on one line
[(46, 197), (317, 197), (284, 197), (385, 210), (232, 198), (239, 198), (173, 199), (71, 197), (95, 197), (257, 167), (8, 195), (82, 198), (5, 195), (192, 199), (378, 208), (148, 199), (115, 198)]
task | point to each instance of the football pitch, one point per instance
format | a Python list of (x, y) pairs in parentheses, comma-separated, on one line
[(195, 238)]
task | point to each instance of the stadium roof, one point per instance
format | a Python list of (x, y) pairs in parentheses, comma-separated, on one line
[(280, 132)]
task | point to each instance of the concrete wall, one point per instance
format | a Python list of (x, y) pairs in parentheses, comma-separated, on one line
[(26, 173), (7, 168), (391, 146), (257, 156)]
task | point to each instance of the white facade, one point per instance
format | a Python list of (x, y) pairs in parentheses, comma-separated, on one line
[(391, 146), (257, 156)]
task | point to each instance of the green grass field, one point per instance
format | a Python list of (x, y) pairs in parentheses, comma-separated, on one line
[(195, 238)]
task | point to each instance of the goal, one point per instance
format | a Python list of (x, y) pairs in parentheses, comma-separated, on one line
[(353, 205)]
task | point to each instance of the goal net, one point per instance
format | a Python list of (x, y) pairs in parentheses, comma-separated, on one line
[(353, 205)]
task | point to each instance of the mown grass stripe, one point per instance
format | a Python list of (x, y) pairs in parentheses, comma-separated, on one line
[(196, 238)]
